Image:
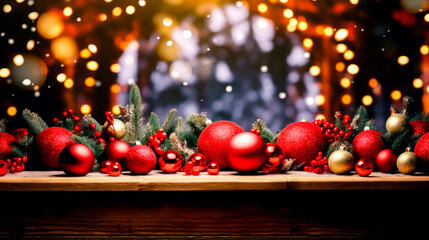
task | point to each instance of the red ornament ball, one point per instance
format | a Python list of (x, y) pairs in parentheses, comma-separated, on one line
[(116, 151), (213, 141), (422, 149), (140, 159), (76, 159), (367, 144), (6, 141), (363, 167), (246, 152), (302, 141), (3, 168), (386, 161), (199, 161), (420, 127), (213, 168), (275, 155), (170, 161), (49, 143), (20, 133), (115, 169), (105, 166)]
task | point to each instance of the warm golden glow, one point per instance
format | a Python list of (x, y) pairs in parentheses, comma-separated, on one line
[(367, 100), (115, 88), (427, 17), (341, 48), (396, 95), (168, 22), (320, 30), (117, 11), (291, 28), (353, 69), (346, 99), (115, 68), (308, 43), (33, 15), (345, 82), (373, 83), (320, 116), (4, 72), (92, 48), (293, 21), (116, 110), (418, 83), (12, 111), (68, 11), (50, 25), (328, 31), (102, 17), (68, 83), (288, 13), (340, 66), (89, 82), (85, 109), (18, 60), (354, 2), (92, 65), (130, 10), (424, 49), (341, 34), (30, 44), (85, 53), (320, 100), (349, 55), (262, 7), (7, 8), (403, 60), (302, 26), (61, 77), (314, 70)]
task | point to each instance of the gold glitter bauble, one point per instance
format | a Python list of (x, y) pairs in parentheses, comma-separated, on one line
[(117, 131), (397, 123), (341, 162), (407, 163)]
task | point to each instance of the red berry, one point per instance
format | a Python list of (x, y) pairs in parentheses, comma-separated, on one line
[(320, 154), (12, 169), (9, 163), (24, 159), (112, 139), (350, 129), (195, 172), (77, 129), (347, 121), (322, 129), (97, 134), (339, 114), (76, 118), (309, 169), (313, 163), (188, 172), (341, 133), (346, 116), (14, 164), (19, 168), (65, 114), (326, 125), (93, 126), (331, 125), (100, 140), (56, 120), (23, 167), (70, 111)]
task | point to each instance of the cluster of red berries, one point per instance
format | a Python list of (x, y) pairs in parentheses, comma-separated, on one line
[(318, 165), (156, 140), (97, 134), (16, 164), (114, 169), (69, 114), (255, 131), (334, 133)]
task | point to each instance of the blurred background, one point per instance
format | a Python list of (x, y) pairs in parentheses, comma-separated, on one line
[(279, 60)]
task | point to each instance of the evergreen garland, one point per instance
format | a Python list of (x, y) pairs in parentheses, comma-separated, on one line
[(3, 125), (135, 127), (96, 147), (337, 146), (266, 133), (361, 121), (34, 121), (23, 146)]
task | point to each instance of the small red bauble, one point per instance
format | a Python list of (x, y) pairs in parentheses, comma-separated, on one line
[(275, 155), (246, 152), (170, 161), (420, 127), (140, 159), (20, 133), (363, 167), (422, 149), (49, 143), (367, 144), (116, 151), (386, 160), (105, 165), (76, 159), (302, 141), (213, 141), (199, 161), (115, 169), (3, 168), (6, 141), (195, 172), (213, 168)]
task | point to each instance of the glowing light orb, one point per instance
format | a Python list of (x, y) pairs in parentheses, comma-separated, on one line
[(117, 11), (89, 82), (426, 17), (262, 8), (345, 82), (64, 49), (353, 69), (308, 43), (115, 88), (320, 100), (18, 60), (50, 25), (115, 68), (418, 83), (33, 16), (288, 13), (320, 116), (68, 11), (367, 100), (116, 110), (341, 34), (4, 72), (373, 83), (32, 71), (167, 50), (7, 8), (92, 65), (68, 83), (314, 70), (11, 111), (85, 109), (403, 60), (92, 48), (396, 95), (340, 66), (30, 45), (349, 55), (61, 77), (180, 70), (302, 26), (130, 10), (346, 99), (424, 49), (328, 31), (85, 53)]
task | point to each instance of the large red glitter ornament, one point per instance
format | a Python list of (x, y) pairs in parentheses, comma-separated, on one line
[(213, 141), (170, 161), (49, 144), (6, 141), (386, 160), (3, 168), (420, 127), (140, 159), (76, 159), (116, 151), (246, 152), (363, 167), (302, 141), (367, 144), (422, 149)]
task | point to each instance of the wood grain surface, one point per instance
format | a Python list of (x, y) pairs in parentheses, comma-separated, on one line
[(226, 181)]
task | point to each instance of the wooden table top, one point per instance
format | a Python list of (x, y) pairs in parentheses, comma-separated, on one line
[(225, 181)]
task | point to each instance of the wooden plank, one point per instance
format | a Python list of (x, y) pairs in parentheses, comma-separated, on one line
[(226, 181)]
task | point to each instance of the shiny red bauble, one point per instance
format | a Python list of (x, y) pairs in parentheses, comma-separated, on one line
[(140, 159), (302, 141), (105, 166), (213, 141), (363, 167), (3, 168), (170, 161), (116, 151), (199, 161), (213, 168), (422, 149), (115, 169), (367, 144), (275, 155), (246, 152), (49, 143), (6, 141), (386, 161), (76, 159), (420, 127)]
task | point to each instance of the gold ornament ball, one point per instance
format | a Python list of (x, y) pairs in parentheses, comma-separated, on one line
[(407, 163), (117, 131), (397, 123), (341, 162)]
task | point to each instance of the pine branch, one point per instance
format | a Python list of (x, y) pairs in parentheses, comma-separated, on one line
[(398, 142), (198, 122), (337, 146), (23, 146), (266, 133), (171, 122), (86, 128), (135, 113), (34, 121), (3, 125), (189, 137), (360, 121), (96, 147), (181, 146), (151, 127)]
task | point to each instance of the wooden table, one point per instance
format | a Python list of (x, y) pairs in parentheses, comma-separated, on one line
[(296, 205)]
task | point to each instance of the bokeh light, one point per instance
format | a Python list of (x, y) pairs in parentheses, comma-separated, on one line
[(68, 83), (346, 99), (92, 65), (68, 11), (349, 55), (373, 83), (18, 60), (307, 42), (367, 100), (262, 7), (61, 77), (341, 34), (340, 66), (345, 82), (115, 88), (85, 109), (418, 83), (85, 53), (353, 69), (7, 8), (341, 48), (424, 49), (50, 25), (314, 70), (116, 110), (117, 11), (288, 13), (403, 60), (115, 68), (328, 31), (130, 10), (396, 95), (320, 100), (12, 111), (4, 72), (89, 82), (64, 49)]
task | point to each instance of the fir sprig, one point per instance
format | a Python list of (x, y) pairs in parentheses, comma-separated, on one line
[(361, 121), (337, 146), (399, 142), (86, 128), (266, 133), (135, 127), (34, 121), (197, 123), (22, 147), (171, 122), (2, 125)]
